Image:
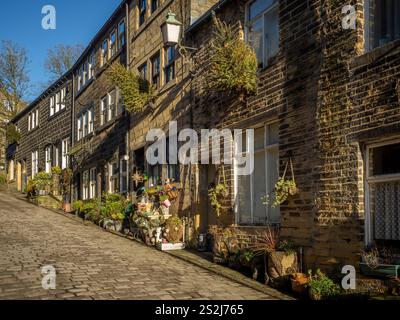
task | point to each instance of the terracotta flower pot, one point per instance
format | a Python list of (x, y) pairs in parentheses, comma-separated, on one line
[(299, 283)]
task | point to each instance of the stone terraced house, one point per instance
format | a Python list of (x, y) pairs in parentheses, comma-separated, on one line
[(328, 101)]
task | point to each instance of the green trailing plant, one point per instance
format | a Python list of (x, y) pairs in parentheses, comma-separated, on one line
[(284, 188), (136, 91), (12, 134), (216, 195), (234, 63), (286, 246), (56, 170), (113, 207), (321, 286)]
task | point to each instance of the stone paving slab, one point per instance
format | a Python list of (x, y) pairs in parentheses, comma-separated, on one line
[(94, 264)]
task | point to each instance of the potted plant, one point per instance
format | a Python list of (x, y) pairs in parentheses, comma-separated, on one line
[(284, 188), (299, 283), (43, 182), (321, 287), (280, 258), (382, 264), (113, 211)]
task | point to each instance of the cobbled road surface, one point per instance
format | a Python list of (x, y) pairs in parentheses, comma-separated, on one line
[(93, 264)]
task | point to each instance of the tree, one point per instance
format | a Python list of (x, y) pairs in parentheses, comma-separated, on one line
[(14, 79), (60, 59)]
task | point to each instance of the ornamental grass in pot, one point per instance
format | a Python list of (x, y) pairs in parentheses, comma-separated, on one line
[(280, 258)]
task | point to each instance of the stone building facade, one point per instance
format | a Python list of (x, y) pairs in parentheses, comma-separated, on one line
[(45, 129), (327, 104), (100, 123)]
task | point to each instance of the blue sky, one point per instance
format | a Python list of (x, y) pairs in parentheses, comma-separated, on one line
[(77, 22)]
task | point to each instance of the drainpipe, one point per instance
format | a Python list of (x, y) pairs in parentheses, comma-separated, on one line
[(71, 195)]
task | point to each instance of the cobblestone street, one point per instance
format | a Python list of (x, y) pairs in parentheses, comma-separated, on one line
[(94, 264)]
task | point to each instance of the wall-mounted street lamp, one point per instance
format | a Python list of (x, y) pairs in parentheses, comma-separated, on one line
[(171, 31)]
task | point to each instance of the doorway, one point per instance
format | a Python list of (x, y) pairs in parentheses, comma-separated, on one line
[(207, 212)]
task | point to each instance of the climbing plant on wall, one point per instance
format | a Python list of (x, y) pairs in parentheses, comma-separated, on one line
[(234, 63), (136, 91), (12, 134)]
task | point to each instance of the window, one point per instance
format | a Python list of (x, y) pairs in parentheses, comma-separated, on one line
[(154, 5), (85, 123), (8, 106), (104, 52), (65, 150), (103, 110), (263, 29), (124, 174), (48, 160), (143, 71), (383, 22), (91, 66), (92, 186), (252, 188), (35, 163), (33, 120), (52, 106), (80, 128), (91, 120), (121, 34), (142, 11), (57, 102), (155, 174), (383, 192), (111, 105), (170, 54), (56, 156), (155, 70), (113, 177), (113, 43), (85, 185)]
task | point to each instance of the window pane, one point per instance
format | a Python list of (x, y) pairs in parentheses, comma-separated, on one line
[(259, 137), (258, 6), (271, 33), (259, 188), (384, 22), (256, 39), (273, 134), (386, 159), (243, 198)]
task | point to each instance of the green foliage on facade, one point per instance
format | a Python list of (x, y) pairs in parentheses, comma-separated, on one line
[(233, 64), (12, 134), (136, 91)]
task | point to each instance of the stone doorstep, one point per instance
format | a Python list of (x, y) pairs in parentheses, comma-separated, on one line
[(186, 256)]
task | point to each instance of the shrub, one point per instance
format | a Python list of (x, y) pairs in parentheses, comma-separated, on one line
[(286, 246), (233, 64), (321, 286), (92, 210), (77, 205), (42, 180), (3, 178), (12, 134), (56, 170), (136, 92)]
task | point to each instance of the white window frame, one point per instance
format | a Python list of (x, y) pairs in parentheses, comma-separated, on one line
[(105, 52), (248, 22), (124, 175), (85, 185), (48, 160), (91, 66), (111, 105), (35, 163), (92, 183), (236, 177), (113, 42), (52, 106), (63, 96), (65, 156), (79, 128), (369, 234)]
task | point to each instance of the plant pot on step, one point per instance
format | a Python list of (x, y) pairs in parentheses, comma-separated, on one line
[(299, 283), (281, 264)]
